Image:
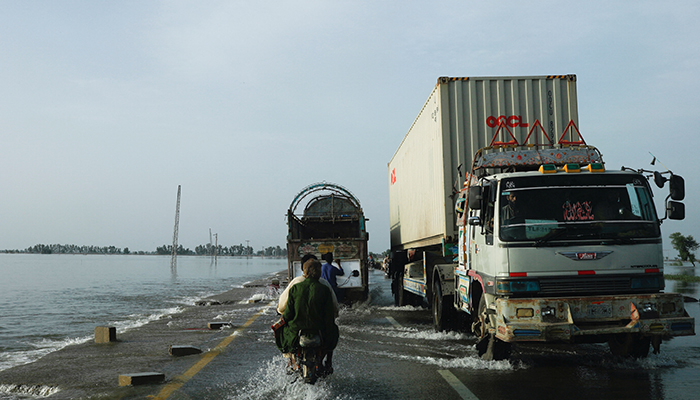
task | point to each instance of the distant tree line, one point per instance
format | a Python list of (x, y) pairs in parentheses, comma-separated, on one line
[(70, 249), (168, 249), (236, 250), (201, 250)]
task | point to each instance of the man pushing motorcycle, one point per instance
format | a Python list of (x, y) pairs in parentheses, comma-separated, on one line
[(310, 312)]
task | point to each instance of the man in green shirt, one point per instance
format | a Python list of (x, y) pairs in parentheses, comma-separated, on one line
[(310, 308)]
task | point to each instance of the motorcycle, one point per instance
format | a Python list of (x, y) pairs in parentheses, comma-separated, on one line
[(308, 357)]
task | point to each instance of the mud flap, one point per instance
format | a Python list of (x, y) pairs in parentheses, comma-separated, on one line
[(492, 349)]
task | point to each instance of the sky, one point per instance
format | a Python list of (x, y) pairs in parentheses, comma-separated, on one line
[(107, 107)]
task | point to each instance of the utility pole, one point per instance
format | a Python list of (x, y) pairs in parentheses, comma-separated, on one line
[(210, 250), (216, 247), (173, 261)]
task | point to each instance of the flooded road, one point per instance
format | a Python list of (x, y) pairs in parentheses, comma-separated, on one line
[(387, 352)]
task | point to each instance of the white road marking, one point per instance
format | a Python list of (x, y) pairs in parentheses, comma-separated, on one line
[(393, 322), (457, 385)]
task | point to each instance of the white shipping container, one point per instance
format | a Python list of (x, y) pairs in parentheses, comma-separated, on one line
[(461, 116)]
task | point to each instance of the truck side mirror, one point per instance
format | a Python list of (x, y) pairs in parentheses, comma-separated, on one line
[(677, 186), (675, 210), (659, 179), (476, 197)]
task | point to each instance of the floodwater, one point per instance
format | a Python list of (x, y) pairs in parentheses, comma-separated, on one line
[(50, 301)]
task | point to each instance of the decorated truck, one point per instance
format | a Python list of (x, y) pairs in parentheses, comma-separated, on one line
[(508, 224), (325, 217)]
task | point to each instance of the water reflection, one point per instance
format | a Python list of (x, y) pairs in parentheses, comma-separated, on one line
[(686, 288)]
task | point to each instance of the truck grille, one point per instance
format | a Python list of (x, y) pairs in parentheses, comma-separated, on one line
[(589, 285)]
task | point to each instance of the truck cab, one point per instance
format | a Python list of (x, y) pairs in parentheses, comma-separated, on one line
[(569, 253)]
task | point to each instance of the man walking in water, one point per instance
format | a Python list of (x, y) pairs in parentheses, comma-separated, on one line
[(329, 272)]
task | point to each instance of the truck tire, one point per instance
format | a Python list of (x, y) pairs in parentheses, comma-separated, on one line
[(401, 297), (489, 347), (443, 310), (631, 345)]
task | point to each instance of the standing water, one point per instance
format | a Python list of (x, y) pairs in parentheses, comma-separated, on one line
[(50, 301)]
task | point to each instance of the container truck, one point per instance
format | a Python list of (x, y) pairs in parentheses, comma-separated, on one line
[(508, 224), (326, 217)]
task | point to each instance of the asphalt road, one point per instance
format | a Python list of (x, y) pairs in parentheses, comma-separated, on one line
[(384, 353), (393, 353)]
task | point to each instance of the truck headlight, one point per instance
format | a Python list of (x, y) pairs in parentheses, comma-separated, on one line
[(648, 307), (519, 286), (548, 312)]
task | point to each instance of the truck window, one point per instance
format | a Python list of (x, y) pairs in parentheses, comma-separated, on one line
[(576, 207), (490, 219)]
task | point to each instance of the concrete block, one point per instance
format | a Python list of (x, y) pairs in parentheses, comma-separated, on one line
[(218, 325), (140, 378), (179, 351), (205, 303), (105, 334), (256, 298)]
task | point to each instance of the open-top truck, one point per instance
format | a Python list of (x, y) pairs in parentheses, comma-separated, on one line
[(331, 220), (536, 241)]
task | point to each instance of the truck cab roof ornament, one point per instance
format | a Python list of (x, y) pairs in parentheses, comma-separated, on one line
[(529, 158)]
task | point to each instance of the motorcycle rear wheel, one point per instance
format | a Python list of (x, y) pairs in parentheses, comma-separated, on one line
[(309, 360)]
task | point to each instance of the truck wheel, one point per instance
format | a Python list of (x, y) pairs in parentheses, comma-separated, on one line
[(489, 347), (443, 310), (401, 298), (629, 345)]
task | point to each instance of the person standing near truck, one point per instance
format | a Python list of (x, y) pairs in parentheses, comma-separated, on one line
[(282, 301), (330, 271)]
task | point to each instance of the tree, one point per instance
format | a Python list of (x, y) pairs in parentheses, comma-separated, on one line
[(685, 245), (168, 249)]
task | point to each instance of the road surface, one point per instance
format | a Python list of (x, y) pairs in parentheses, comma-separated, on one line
[(385, 352)]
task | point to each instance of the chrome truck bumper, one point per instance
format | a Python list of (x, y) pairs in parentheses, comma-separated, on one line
[(579, 319)]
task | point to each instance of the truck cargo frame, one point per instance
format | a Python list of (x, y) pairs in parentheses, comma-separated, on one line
[(332, 220)]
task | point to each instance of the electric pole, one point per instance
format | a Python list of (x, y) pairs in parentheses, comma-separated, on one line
[(210, 250), (216, 247), (173, 261)]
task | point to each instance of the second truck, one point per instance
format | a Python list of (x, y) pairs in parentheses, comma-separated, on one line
[(325, 217), (508, 224)]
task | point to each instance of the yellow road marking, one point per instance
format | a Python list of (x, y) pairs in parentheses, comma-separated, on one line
[(179, 381), (457, 385)]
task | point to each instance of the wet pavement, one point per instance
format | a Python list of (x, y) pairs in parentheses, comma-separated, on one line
[(92, 370), (384, 352)]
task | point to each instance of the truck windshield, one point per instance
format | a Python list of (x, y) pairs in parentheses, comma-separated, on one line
[(576, 207)]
